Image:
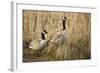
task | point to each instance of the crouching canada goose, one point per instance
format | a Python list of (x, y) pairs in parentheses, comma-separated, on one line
[(60, 37), (40, 45)]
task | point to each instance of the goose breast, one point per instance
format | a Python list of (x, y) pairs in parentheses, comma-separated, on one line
[(43, 44)]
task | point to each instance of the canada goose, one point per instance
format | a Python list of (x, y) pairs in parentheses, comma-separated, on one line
[(60, 37), (39, 45)]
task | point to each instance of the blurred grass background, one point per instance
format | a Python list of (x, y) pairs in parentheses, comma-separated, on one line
[(78, 45)]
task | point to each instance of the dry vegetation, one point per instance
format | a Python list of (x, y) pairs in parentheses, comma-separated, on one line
[(78, 45)]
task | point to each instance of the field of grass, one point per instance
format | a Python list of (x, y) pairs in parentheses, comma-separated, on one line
[(78, 45)]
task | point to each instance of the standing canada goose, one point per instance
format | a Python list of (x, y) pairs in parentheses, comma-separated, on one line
[(39, 45), (60, 37)]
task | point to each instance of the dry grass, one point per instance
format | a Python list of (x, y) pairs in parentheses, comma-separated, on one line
[(78, 45)]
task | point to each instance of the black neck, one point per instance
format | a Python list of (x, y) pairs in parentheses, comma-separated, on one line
[(64, 27), (42, 36)]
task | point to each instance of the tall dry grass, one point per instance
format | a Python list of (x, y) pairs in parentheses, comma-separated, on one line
[(78, 45)]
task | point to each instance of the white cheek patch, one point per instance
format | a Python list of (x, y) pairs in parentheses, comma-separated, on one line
[(64, 18), (43, 32)]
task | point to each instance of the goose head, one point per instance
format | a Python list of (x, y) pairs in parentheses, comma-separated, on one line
[(43, 34), (44, 31), (64, 18)]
